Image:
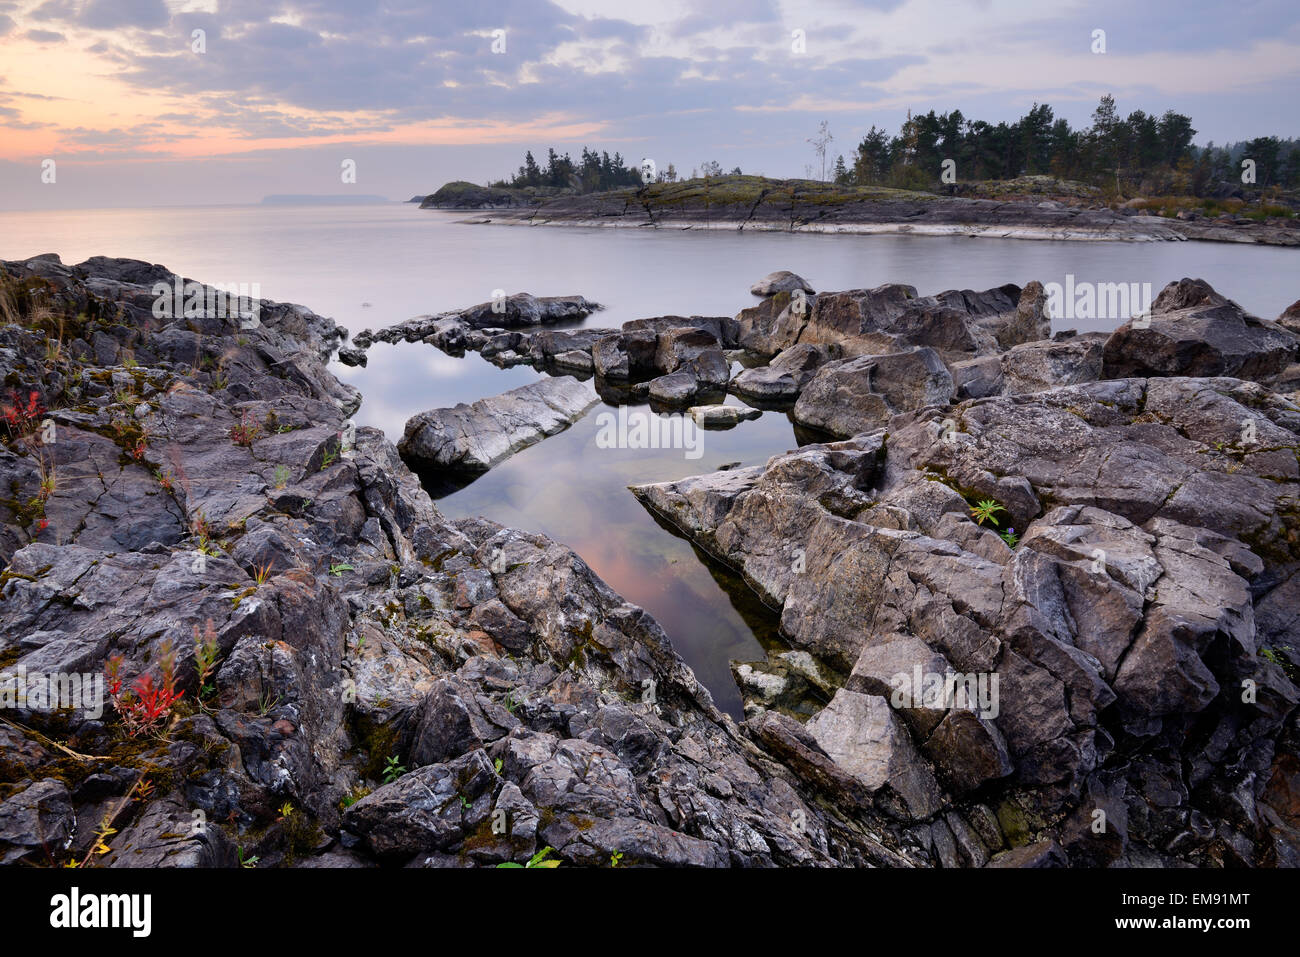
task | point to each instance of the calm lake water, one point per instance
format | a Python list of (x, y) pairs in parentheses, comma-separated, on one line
[(370, 266)]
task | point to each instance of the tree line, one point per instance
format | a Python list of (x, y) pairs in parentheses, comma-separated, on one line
[(595, 171), (1142, 151)]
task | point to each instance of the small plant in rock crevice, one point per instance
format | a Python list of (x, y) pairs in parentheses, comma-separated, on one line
[(1291, 671), (393, 769), (246, 432), (266, 702), (49, 482), (984, 511), (148, 703), (352, 797), (201, 529), (262, 573), (206, 651), (21, 417)]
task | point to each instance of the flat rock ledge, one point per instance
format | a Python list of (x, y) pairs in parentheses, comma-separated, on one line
[(479, 435), (752, 203)]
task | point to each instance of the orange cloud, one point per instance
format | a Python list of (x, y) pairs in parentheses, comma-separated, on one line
[(84, 100)]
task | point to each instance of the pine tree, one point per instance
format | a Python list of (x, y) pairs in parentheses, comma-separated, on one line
[(529, 173)]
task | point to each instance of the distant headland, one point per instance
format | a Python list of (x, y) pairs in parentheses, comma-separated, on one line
[(310, 199)]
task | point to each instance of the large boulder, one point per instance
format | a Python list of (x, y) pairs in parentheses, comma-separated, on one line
[(663, 346), (430, 809), (1194, 331), (849, 396), (678, 346), (1141, 448), (674, 389), (724, 328), (1048, 364), (780, 281), (959, 324), (774, 324)]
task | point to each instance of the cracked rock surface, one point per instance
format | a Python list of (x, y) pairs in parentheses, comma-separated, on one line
[(392, 688)]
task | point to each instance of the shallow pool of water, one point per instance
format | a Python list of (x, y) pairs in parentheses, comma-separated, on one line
[(573, 490)]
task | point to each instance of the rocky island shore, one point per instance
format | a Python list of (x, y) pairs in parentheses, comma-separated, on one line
[(758, 203), (1096, 537)]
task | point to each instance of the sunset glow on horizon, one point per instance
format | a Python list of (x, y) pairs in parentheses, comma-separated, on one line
[(183, 89)]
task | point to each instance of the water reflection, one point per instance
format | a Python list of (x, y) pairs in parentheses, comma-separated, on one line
[(572, 490)]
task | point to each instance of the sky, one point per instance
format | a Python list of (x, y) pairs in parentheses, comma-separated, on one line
[(125, 104)]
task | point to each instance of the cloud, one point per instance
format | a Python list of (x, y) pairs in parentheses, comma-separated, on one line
[(413, 64), (53, 10), (114, 14), (713, 78), (33, 96)]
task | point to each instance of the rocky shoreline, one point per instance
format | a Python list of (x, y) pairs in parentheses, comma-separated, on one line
[(1101, 533), (756, 204)]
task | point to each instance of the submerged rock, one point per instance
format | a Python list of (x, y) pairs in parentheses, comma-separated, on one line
[(477, 436), (721, 416), (447, 329)]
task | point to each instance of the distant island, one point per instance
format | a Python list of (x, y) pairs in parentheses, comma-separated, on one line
[(1027, 207), (1138, 177), (310, 199)]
